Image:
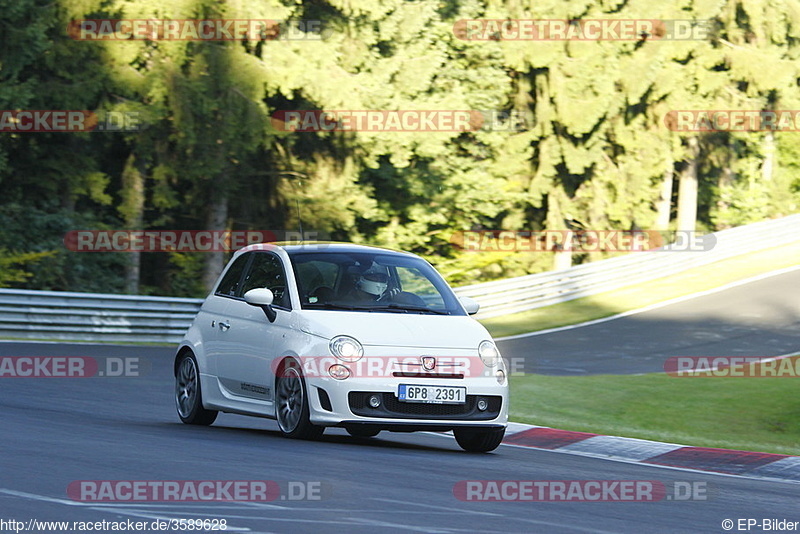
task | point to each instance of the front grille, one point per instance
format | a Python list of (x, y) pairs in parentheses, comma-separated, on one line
[(391, 407), (420, 374)]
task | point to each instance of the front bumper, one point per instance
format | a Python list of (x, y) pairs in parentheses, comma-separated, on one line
[(392, 408), (344, 403), (382, 370)]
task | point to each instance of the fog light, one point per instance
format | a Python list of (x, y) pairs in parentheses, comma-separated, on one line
[(339, 372), (482, 405), (501, 376), (374, 401)]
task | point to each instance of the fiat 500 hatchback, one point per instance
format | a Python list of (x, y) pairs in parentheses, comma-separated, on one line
[(342, 335)]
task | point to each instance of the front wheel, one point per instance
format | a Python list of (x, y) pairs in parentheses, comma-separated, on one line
[(291, 400), (479, 440), (188, 397)]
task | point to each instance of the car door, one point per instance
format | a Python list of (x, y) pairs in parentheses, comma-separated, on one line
[(213, 320), (244, 367)]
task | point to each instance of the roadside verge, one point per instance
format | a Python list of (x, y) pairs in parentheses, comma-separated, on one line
[(725, 461)]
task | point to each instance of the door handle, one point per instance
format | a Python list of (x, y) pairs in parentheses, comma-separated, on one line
[(224, 326)]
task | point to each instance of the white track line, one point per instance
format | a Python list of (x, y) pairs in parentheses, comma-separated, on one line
[(656, 306)]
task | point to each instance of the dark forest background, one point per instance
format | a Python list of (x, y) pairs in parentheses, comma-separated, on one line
[(591, 149)]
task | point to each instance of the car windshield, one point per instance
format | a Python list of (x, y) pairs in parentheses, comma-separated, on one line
[(371, 282)]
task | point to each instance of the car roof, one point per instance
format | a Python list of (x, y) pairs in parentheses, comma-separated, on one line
[(323, 246)]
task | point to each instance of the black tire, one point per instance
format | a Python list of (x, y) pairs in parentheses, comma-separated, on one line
[(363, 432), (479, 440), (188, 396), (291, 404)]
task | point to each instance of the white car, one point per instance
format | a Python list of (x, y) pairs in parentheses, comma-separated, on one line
[(363, 338)]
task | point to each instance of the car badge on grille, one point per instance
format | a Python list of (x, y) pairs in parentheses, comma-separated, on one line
[(428, 363)]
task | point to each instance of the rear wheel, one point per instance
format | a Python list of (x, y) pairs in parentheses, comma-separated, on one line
[(479, 440), (188, 397), (291, 402)]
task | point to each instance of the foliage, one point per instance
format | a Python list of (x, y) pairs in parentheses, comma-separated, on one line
[(12, 265), (590, 148)]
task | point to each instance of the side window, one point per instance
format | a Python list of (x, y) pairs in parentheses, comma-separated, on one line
[(267, 271), (229, 285), (312, 275)]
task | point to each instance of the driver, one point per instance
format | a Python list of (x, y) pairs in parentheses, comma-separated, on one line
[(371, 284)]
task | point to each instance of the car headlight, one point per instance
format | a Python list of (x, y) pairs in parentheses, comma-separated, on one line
[(488, 353), (346, 348)]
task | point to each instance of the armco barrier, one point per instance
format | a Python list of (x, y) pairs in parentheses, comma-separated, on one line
[(55, 315), (523, 293)]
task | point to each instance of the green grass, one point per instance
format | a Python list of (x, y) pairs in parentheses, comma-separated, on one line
[(757, 414), (645, 294)]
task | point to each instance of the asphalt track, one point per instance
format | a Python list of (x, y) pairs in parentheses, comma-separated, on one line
[(759, 318), (59, 430)]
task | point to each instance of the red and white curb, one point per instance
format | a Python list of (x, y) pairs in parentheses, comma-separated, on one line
[(730, 462)]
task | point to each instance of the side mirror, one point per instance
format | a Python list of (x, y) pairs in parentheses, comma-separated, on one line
[(470, 305), (262, 298)]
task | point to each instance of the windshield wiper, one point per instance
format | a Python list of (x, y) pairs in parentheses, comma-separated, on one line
[(409, 308), (401, 308), (333, 306)]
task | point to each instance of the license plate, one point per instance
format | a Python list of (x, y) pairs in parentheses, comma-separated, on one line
[(432, 394)]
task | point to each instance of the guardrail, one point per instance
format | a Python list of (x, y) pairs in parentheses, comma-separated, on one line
[(524, 293), (56, 315)]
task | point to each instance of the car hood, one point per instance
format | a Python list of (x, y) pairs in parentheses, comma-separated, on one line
[(397, 329)]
